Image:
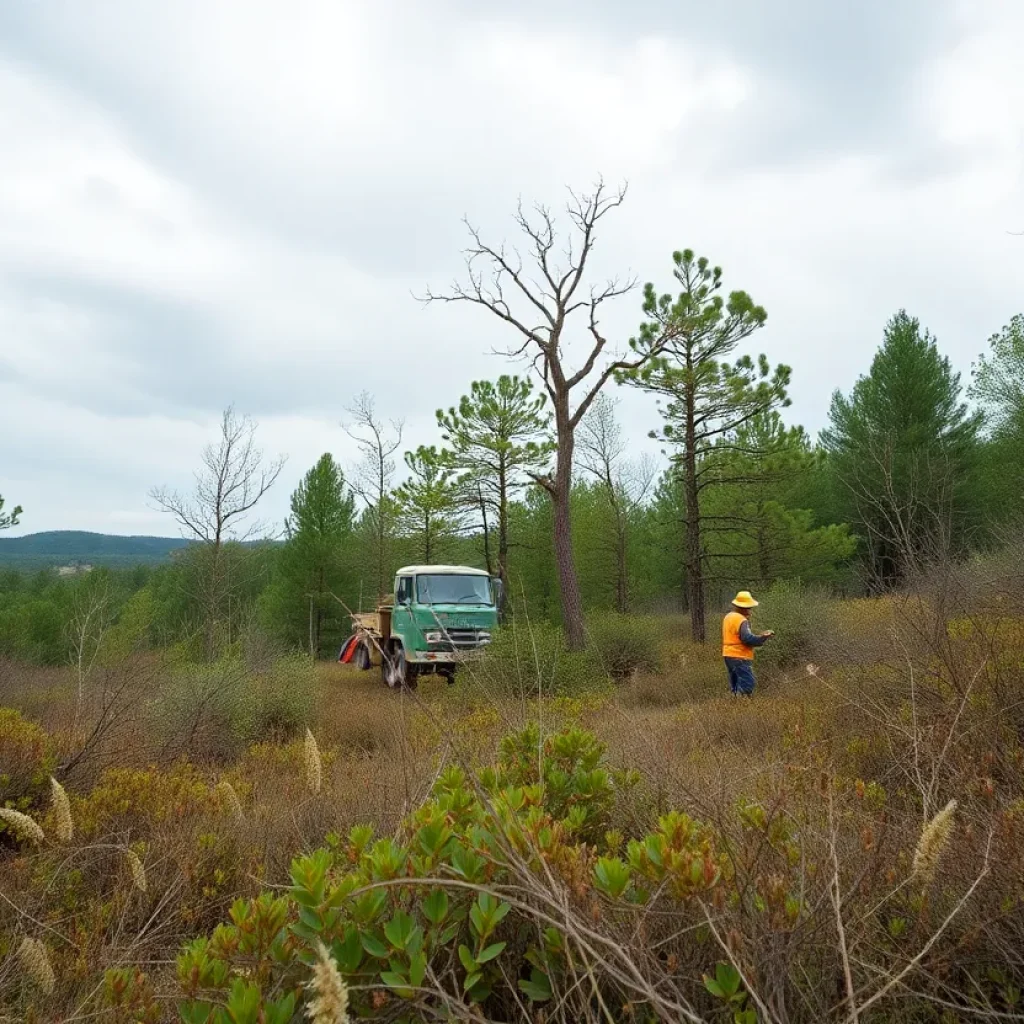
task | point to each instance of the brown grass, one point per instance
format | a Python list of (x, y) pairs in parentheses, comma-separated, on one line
[(885, 703)]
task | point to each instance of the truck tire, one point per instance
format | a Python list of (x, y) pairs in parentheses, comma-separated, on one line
[(362, 658), (397, 672)]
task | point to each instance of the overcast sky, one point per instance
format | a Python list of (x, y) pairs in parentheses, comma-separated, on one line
[(209, 202)]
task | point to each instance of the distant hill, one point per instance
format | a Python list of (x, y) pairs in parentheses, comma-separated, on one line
[(66, 547)]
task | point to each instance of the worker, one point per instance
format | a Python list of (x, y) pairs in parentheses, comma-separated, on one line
[(738, 644)]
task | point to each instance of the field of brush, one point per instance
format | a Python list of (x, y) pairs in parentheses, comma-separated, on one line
[(604, 836)]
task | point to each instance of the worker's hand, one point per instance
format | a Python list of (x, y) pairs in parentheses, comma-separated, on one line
[(769, 633)]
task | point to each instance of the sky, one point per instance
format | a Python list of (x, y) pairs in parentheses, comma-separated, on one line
[(213, 202)]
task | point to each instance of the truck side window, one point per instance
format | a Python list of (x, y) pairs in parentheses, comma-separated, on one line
[(404, 593)]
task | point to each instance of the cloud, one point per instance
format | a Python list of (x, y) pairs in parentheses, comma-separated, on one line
[(204, 204)]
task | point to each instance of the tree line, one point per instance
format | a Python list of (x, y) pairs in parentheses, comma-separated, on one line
[(532, 478)]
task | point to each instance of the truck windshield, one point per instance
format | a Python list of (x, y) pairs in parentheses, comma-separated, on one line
[(447, 589)]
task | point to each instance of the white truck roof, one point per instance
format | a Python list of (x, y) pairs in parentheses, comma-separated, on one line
[(441, 570)]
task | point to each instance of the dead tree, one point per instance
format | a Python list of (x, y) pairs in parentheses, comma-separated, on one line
[(539, 304), (234, 477), (373, 476)]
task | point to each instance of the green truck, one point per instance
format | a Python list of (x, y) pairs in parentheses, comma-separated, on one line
[(439, 617)]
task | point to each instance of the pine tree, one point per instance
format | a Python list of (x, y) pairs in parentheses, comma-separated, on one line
[(762, 533), (904, 448), (497, 436), (706, 399), (314, 565), (430, 509), (8, 519)]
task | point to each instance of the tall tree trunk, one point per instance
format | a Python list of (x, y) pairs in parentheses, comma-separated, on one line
[(621, 568), (319, 624), (565, 561), (694, 557), (213, 598), (503, 538), (487, 531)]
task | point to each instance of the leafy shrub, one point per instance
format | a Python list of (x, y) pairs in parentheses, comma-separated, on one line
[(26, 762), (214, 711), (279, 702), (386, 935), (135, 801), (803, 619), (627, 644), (526, 659)]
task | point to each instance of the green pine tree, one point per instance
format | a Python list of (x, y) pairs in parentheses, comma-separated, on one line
[(497, 436), (314, 566), (706, 398), (904, 448), (430, 508), (8, 519)]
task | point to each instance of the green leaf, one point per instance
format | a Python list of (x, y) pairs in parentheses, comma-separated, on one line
[(490, 952), (728, 978), (537, 987), (398, 929), (417, 969), (374, 946), (713, 987), (478, 919), (394, 980), (310, 919), (467, 958), (192, 1012), (471, 980), (414, 943), (280, 1011), (349, 952), (435, 906), (480, 991)]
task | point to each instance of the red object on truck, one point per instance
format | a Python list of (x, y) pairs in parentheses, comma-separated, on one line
[(348, 650)]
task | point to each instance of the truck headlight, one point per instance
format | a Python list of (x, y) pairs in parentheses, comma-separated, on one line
[(433, 636), (484, 637)]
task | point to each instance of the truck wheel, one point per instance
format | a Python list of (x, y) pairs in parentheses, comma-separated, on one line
[(362, 658), (398, 673)]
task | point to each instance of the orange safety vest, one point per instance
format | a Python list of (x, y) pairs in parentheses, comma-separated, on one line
[(732, 645)]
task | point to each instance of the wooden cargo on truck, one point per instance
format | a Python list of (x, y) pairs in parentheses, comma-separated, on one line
[(374, 630)]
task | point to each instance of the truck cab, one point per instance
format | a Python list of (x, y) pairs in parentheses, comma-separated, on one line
[(442, 615)]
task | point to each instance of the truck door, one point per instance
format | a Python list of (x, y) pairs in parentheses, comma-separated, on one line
[(401, 617)]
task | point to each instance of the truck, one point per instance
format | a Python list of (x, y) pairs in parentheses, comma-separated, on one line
[(439, 617)]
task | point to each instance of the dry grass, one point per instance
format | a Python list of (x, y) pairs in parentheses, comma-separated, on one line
[(886, 703)]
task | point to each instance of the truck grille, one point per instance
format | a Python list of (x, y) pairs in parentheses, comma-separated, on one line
[(462, 639)]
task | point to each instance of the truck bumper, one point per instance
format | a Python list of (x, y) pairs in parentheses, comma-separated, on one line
[(444, 657)]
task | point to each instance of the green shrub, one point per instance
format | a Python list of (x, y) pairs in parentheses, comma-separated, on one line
[(529, 658), (280, 702), (199, 708), (803, 619), (422, 918), (626, 644), (214, 711), (26, 762)]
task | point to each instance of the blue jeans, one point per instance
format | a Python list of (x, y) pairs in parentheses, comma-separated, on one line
[(741, 675)]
